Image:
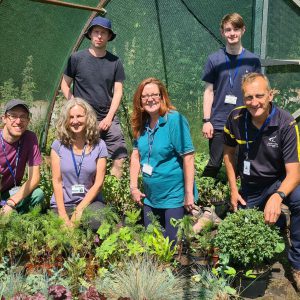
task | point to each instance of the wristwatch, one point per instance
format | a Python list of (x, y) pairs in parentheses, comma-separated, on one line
[(281, 194), (205, 120)]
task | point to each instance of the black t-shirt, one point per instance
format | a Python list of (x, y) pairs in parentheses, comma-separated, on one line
[(270, 150), (94, 78)]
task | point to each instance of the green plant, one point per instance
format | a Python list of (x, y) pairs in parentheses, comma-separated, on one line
[(142, 278), (247, 240)]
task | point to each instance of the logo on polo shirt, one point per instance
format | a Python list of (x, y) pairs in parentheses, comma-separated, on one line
[(272, 143)]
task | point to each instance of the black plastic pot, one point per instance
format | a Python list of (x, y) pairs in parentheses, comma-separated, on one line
[(221, 208), (252, 287)]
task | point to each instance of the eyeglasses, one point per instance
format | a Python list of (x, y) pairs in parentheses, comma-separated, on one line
[(153, 96), (14, 118)]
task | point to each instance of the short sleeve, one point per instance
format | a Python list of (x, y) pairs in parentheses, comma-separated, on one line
[(102, 149), (209, 72), (229, 138), (71, 66), (180, 133), (34, 158), (258, 66), (56, 146), (290, 142), (120, 73), (135, 144)]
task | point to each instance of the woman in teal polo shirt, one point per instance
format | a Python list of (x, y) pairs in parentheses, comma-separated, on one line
[(164, 153)]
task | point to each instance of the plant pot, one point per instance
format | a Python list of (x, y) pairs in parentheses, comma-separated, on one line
[(221, 208), (252, 287)]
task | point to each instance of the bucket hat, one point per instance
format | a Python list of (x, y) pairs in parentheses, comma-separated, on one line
[(15, 102), (103, 22)]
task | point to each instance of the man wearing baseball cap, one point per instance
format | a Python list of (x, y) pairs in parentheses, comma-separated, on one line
[(97, 76), (18, 148)]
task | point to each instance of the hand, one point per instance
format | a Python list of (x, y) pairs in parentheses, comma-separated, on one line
[(208, 130), (105, 124), (189, 204), (272, 209), (6, 210), (235, 199), (67, 221), (137, 196), (76, 215)]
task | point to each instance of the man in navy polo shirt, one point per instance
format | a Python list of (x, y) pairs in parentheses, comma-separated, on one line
[(268, 162), (222, 75)]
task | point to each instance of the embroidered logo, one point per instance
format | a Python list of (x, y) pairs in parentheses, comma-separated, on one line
[(272, 142)]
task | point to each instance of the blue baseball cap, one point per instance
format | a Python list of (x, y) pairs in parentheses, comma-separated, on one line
[(103, 22), (15, 102)]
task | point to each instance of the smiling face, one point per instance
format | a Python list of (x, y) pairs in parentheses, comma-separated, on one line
[(77, 120), (15, 122), (151, 99), (232, 34), (257, 98), (99, 37)]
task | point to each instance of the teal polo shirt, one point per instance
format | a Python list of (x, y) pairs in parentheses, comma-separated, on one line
[(162, 148)]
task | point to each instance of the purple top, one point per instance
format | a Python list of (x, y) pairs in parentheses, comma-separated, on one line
[(29, 154), (68, 173)]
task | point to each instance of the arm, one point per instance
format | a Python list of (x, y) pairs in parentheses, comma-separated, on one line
[(66, 87), (136, 194), (229, 158), (26, 189), (189, 174), (115, 103), (272, 209), (93, 191), (57, 187), (208, 98)]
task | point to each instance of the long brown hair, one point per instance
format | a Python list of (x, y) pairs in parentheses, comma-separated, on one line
[(139, 116)]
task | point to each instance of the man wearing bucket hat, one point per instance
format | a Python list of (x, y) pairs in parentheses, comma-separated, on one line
[(19, 147), (97, 76)]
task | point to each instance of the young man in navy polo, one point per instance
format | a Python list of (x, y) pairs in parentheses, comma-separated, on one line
[(97, 76), (268, 162), (222, 75)]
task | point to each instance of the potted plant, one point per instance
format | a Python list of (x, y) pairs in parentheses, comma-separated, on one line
[(250, 245)]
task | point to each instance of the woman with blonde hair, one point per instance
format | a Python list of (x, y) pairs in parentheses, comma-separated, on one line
[(164, 153), (78, 160)]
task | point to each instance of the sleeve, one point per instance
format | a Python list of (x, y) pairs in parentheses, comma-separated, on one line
[(290, 142), (102, 149), (257, 66), (135, 144), (209, 72), (180, 133), (55, 146), (229, 138), (34, 158), (71, 66), (120, 73)]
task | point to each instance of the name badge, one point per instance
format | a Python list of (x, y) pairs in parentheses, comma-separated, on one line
[(147, 169), (77, 189), (230, 99), (246, 170), (14, 190)]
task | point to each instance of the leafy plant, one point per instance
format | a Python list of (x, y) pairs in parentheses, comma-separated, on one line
[(247, 240)]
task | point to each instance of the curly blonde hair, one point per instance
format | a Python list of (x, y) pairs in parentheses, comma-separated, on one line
[(65, 135), (139, 117)]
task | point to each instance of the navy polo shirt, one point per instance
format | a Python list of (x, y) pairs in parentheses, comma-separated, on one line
[(276, 146), (216, 71), (169, 140)]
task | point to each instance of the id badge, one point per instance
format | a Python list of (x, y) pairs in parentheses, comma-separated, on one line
[(246, 170), (77, 189), (230, 99), (147, 169), (13, 190)]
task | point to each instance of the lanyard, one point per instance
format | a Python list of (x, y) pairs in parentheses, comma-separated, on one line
[(236, 70), (78, 168), (150, 133), (267, 121), (12, 172)]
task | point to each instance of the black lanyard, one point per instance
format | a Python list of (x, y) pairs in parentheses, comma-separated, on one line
[(267, 121), (78, 168), (12, 172), (150, 133)]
